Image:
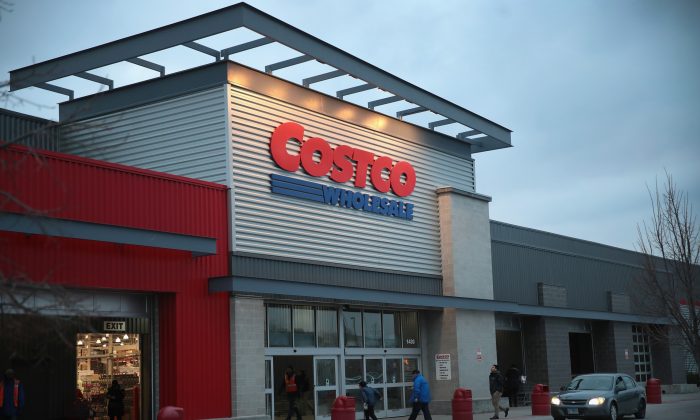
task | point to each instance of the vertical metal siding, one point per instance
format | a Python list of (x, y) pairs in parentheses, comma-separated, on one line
[(523, 257), (268, 224), (183, 136), (191, 318), (30, 131)]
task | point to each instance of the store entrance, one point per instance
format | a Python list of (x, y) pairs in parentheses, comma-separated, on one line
[(110, 371), (303, 369)]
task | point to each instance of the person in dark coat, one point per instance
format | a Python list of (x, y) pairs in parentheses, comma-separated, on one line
[(115, 406), (496, 389), (370, 397), (290, 386), (512, 385)]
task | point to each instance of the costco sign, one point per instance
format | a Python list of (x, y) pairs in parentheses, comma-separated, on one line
[(341, 164)]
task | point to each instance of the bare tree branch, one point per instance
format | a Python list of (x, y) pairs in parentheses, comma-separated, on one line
[(668, 286)]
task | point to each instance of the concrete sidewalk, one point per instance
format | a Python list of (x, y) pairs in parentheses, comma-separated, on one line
[(521, 413)]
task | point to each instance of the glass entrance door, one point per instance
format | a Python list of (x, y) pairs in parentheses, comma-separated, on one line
[(325, 385)]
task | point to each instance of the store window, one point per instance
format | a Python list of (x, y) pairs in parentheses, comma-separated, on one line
[(373, 328), (392, 329), (103, 358), (304, 326), (301, 326), (409, 329), (279, 325), (327, 327), (352, 323)]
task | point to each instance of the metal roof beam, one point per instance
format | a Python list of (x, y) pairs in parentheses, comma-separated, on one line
[(245, 46), (168, 36), (239, 15), (439, 123), (148, 64), (203, 49), (321, 77), (383, 101), (97, 79), (287, 63), (410, 111), (292, 37), (57, 89), (356, 89), (465, 134)]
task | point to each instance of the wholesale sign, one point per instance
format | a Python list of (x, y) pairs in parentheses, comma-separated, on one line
[(340, 164)]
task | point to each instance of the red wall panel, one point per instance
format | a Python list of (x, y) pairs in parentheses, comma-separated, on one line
[(194, 325)]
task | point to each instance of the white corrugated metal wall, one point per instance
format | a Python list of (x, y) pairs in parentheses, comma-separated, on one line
[(270, 224), (184, 136)]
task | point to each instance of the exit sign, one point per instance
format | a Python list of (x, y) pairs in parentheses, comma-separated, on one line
[(119, 326)]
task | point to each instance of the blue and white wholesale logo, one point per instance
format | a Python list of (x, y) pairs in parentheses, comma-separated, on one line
[(341, 197)]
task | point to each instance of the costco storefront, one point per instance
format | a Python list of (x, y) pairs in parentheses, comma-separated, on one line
[(356, 246)]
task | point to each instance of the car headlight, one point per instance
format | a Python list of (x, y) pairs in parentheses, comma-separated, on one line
[(556, 400), (596, 401)]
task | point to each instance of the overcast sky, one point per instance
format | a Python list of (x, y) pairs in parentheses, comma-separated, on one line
[(602, 96)]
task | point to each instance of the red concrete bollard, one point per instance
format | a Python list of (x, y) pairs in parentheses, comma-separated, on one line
[(171, 413), (540, 400), (653, 391), (462, 404), (343, 408)]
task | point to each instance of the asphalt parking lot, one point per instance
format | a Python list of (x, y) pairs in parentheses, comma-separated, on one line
[(674, 406)]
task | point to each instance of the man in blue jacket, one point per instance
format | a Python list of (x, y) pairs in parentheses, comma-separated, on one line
[(420, 397)]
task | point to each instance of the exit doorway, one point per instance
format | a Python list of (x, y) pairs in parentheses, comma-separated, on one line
[(581, 353), (317, 378)]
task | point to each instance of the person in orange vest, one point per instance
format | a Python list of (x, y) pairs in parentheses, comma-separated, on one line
[(292, 388), (11, 396)]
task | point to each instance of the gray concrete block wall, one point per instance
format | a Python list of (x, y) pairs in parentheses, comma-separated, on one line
[(465, 242), (668, 359), (247, 357), (558, 358), (535, 349), (610, 340), (618, 302), (604, 348), (441, 337), (623, 341), (551, 295)]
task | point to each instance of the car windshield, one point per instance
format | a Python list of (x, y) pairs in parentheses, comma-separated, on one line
[(599, 383)]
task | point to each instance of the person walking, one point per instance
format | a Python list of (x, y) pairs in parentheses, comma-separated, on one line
[(291, 387), (115, 406), (369, 396), (11, 396), (420, 397), (496, 390), (512, 385), (304, 387)]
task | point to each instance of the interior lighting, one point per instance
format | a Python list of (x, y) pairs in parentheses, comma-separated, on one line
[(80, 342), (99, 341), (104, 345), (126, 336), (118, 340)]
